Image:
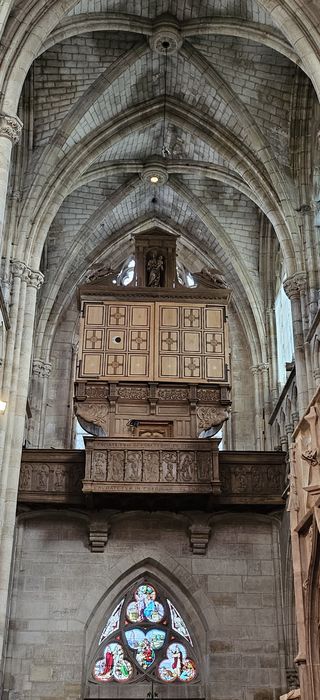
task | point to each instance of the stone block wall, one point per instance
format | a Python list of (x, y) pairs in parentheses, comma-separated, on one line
[(63, 592)]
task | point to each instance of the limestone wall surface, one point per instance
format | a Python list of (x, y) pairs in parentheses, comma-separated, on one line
[(62, 594)]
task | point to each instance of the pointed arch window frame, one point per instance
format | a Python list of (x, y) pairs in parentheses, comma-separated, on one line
[(172, 659)]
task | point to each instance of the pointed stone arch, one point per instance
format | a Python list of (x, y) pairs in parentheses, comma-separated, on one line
[(173, 580)]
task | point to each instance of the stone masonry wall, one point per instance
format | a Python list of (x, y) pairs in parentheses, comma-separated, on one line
[(62, 593)]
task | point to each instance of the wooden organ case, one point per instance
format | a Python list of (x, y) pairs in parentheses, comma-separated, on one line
[(153, 375)]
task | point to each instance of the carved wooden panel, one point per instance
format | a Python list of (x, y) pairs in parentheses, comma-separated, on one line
[(163, 341), (117, 340), (176, 466), (153, 466), (191, 342)]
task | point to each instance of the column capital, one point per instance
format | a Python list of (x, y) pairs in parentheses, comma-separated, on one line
[(10, 127), (262, 367), (41, 368), (295, 284), (35, 279), (18, 268)]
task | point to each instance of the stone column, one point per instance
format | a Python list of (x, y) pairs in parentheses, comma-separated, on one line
[(40, 375), (30, 282), (265, 408), (257, 406), (262, 404), (272, 336), (293, 287), (10, 130)]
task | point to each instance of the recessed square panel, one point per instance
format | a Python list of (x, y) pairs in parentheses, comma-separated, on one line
[(93, 339), (191, 317), (138, 365), (115, 365), (94, 314), (169, 366), (191, 341), (140, 316), (215, 368), (169, 316), (116, 339), (213, 318), (192, 367), (91, 364), (139, 340), (117, 315), (214, 343), (169, 341)]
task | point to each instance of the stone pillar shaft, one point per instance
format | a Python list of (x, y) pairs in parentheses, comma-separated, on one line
[(10, 130), (24, 292), (293, 287)]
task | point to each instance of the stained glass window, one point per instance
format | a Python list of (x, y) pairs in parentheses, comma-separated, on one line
[(145, 637)]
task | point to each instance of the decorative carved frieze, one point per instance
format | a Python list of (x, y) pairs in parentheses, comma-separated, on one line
[(51, 479), (10, 127), (204, 394), (172, 394), (133, 393), (199, 535), (165, 466), (142, 465), (260, 477)]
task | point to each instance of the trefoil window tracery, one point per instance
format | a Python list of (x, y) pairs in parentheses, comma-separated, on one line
[(145, 637)]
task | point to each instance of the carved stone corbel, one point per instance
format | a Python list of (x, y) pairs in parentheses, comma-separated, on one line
[(96, 413), (99, 530), (199, 535)]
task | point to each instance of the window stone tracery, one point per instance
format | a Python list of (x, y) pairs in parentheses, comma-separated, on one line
[(145, 638)]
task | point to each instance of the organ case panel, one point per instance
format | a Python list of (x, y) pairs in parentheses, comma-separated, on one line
[(154, 341)]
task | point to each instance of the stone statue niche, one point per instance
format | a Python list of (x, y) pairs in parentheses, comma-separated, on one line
[(155, 255), (155, 268)]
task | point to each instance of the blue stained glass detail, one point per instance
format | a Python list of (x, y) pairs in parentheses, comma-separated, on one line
[(177, 665)]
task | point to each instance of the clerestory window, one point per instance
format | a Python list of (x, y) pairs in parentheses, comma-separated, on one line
[(145, 637)]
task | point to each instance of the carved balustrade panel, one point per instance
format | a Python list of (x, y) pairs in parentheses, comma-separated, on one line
[(51, 475), (252, 477), (164, 466)]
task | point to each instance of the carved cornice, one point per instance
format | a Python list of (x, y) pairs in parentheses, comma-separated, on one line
[(10, 127), (294, 285)]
